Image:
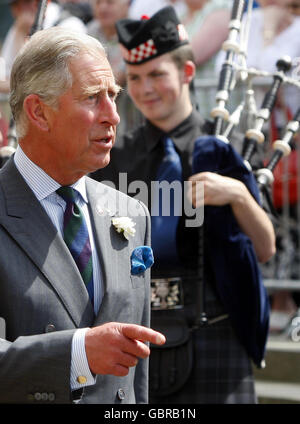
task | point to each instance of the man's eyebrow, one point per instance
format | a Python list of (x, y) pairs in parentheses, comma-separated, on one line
[(150, 73), (94, 89), (131, 74)]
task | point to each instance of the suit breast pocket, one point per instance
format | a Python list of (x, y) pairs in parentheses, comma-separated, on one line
[(138, 281)]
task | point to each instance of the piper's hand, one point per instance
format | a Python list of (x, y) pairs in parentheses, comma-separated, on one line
[(218, 190), (251, 218), (114, 347)]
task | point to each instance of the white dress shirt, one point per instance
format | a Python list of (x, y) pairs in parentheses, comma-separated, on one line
[(44, 188)]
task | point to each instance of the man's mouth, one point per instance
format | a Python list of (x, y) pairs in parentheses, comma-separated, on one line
[(150, 102), (103, 140)]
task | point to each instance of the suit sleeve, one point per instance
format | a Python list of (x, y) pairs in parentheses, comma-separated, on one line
[(36, 368)]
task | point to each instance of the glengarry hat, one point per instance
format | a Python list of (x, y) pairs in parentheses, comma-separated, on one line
[(147, 38)]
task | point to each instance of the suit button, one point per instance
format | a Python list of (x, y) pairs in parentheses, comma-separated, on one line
[(121, 394), (51, 397), (50, 328), (44, 396), (37, 396)]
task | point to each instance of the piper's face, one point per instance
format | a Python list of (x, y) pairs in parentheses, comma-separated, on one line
[(156, 88)]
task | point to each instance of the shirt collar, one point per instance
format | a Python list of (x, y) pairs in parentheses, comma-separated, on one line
[(180, 135), (41, 183)]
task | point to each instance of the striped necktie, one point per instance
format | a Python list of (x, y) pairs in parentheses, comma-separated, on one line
[(76, 237), (164, 226)]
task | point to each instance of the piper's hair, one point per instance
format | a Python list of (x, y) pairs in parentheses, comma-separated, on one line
[(181, 55), (42, 68)]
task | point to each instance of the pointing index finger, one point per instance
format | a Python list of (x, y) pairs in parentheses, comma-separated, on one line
[(138, 332)]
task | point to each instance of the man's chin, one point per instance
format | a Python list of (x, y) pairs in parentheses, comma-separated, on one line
[(102, 163)]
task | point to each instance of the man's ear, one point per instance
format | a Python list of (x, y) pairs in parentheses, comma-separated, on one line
[(189, 71), (35, 110)]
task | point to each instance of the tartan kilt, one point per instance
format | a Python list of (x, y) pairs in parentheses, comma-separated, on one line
[(221, 372)]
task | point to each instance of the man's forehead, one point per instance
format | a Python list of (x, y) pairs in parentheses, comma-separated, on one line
[(92, 72)]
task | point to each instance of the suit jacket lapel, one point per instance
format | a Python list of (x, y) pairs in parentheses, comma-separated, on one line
[(29, 225)]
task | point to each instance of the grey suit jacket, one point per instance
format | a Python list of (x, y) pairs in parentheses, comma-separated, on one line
[(43, 299)]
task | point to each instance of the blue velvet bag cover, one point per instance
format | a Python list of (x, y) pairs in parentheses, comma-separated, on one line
[(233, 259)]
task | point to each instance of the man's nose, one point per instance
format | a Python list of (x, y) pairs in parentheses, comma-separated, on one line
[(146, 85), (108, 111)]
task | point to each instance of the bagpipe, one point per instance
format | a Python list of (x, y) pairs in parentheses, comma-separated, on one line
[(231, 253), (234, 69), (11, 138)]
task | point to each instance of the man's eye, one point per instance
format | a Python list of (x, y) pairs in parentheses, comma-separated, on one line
[(112, 95)]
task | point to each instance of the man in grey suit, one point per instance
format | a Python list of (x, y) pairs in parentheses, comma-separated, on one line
[(62, 346)]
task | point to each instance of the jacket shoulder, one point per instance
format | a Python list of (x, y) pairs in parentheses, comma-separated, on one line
[(107, 194)]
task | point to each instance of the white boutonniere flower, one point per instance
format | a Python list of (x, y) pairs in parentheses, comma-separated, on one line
[(124, 225)]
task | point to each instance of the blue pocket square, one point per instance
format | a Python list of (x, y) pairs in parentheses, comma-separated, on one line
[(141, 259)]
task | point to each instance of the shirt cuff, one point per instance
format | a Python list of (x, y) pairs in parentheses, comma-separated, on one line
[(81, 375)]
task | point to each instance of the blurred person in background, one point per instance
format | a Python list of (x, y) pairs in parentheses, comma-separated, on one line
[(67, 9), (24, 13), (206, 22), (102, 27), (138, 8)]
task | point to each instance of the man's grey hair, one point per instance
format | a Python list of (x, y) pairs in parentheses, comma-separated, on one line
[(42, 68)]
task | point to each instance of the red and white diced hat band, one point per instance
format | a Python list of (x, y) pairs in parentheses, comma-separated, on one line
[(147, 38), (148, 49)]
